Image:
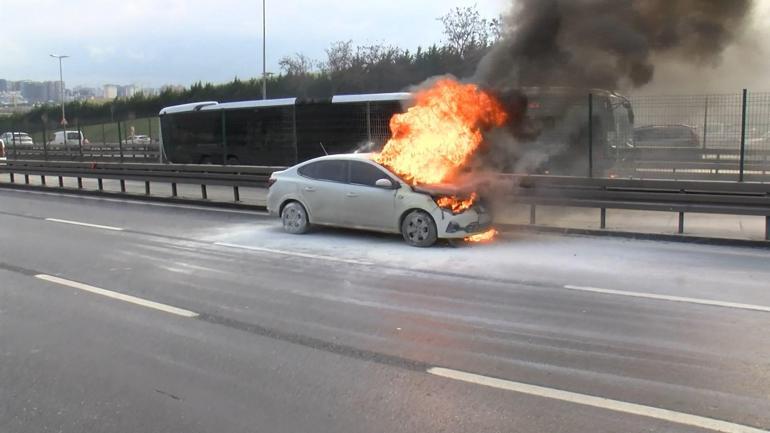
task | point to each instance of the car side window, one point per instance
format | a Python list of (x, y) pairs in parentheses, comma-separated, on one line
[(330, 170), (362, 173)]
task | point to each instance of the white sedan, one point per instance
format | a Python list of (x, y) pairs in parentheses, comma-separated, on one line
[(353, 191)]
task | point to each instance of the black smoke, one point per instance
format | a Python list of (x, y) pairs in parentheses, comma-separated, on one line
[(607, 44)]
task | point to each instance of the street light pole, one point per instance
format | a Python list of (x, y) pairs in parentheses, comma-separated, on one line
[(61, 88), (264, 56)]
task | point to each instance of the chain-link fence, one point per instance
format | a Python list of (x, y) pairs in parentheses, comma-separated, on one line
[(125, 140), (700, 137), (709, 137)]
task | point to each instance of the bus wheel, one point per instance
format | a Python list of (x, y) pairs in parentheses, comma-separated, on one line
[(206, 160), (231, 160)]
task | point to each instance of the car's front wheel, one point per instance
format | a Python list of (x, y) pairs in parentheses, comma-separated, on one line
[(419, 229), (294, 218)]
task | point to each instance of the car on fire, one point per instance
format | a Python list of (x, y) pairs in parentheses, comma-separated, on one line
[(353, 191)]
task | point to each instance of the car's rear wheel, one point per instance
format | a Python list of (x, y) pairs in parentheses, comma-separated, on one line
[(294, 218), (419, 229)]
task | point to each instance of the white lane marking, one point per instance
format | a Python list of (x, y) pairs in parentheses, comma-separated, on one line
[(77, 223), (599, 402), (118, 296), (294, 253), (659, 297)]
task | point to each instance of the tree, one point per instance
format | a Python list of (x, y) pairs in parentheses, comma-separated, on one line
[(297, 64), (339, 57), (467, 31)]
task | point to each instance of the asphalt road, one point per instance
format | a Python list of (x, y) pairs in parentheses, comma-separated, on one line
[(175, 319)]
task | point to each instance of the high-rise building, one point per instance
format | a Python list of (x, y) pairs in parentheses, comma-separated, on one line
[(126, 91), (110, 91), (4, 85)]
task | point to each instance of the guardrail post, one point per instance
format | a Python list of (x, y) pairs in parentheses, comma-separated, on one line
[(681, 223), (122, 185), (26, 179), (12, 178), (147, 187), (61, 182), (204, 195), (80, 183), (236, 194), (603, 218), (173, 189), (42, 179), (590, 135), (101, 184), (743, 136), (532, 214)]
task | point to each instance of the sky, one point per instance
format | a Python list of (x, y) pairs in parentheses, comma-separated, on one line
[(157, 42)]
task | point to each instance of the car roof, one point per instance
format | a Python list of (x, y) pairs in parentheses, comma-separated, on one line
[(345, 157)]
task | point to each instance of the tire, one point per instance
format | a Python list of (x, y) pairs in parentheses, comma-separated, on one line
[(419, 229), (294, 218), (231, 160), (205, 160)]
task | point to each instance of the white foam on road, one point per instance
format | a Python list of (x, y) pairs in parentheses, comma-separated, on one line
[(659, 297), (293, 253), (78, 223), (598, 402), (119, 296)]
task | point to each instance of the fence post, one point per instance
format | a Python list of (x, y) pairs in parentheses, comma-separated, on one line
[(80, 139), (224, 140), (45, 143), (705, 121), (590, 135), (743, 136), (120, 142), (104, 136)]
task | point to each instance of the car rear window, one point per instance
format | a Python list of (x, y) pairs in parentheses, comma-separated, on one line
[(362, 173), (334, 171), (73, 136)]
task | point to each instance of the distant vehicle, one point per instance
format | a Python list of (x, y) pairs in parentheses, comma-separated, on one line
[(666, 136), (276, 132), (138, 139), (74, 138), (353, 191), (2, 150), (17, 140)]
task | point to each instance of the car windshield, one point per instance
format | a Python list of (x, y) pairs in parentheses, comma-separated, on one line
[(385, 216)]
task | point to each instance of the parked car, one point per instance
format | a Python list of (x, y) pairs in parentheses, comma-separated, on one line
[(666, 136), (353, 191), (138, 139), (74, 138), (17, 140)]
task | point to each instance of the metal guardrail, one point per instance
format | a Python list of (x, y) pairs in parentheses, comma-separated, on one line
[(682, 196)]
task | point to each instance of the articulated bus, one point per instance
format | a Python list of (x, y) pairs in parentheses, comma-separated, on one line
[(283, 132), (276, 132)]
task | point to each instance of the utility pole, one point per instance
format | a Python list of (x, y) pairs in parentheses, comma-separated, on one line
[(61, 88), (264, 56)]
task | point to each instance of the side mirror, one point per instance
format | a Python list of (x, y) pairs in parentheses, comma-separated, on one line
[(384, 183)]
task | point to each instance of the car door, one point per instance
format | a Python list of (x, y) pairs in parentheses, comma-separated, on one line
[(365, 204), (323, 188)]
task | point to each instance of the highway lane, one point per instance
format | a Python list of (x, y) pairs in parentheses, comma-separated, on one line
[(290, 338)]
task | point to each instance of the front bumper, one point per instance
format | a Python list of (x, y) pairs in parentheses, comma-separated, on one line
[(473, 221)]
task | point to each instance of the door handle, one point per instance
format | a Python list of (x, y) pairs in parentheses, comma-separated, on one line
[(309, 189), (351, 194)]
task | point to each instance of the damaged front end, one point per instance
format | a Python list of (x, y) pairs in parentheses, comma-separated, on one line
[(462, 211)]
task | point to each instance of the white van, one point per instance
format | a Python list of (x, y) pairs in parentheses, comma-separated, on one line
[(73, 138)]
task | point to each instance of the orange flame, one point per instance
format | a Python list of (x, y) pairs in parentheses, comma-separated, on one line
[(482, 237), (436, 137), (456, 205)]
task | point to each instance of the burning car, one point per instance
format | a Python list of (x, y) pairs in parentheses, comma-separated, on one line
[(355, 191)]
